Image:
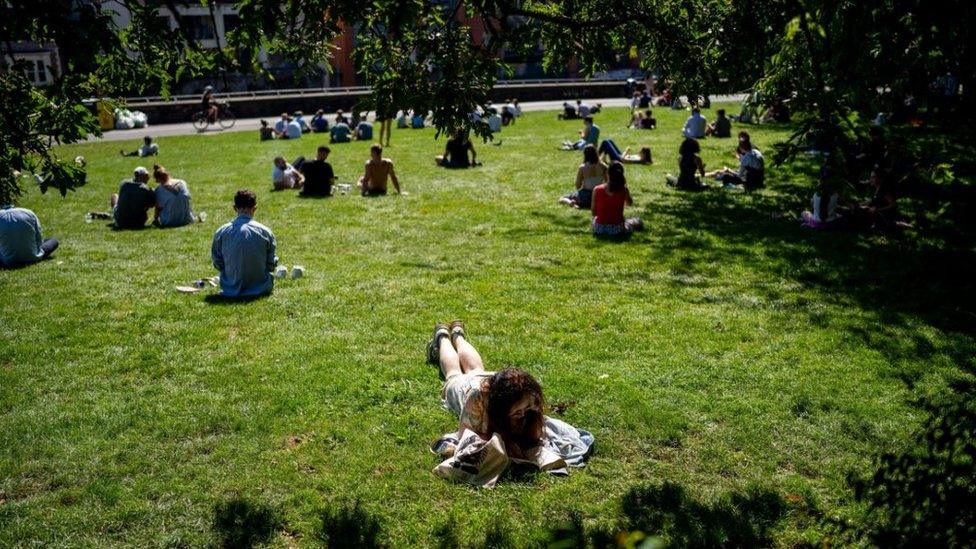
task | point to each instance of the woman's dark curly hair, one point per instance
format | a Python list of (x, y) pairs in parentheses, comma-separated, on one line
[(505, 389)]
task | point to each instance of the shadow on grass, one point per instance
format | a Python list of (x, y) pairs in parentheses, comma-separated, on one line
[(664, 513), (917, 274), (221, 299), (241, 523), (350, 526), (924, 495)]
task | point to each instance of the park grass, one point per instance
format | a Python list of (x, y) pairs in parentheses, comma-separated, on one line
[(726, 350)]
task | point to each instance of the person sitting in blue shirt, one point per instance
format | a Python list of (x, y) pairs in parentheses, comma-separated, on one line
[(696, 125), (244, 252), (319, 122), (364, 130), (417, 121), (20, 238), (340, 133), (590, 135)]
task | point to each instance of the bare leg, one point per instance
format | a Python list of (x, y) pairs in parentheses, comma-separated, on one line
[(449, 360), (113, 201), (468, 355), (439, 160)]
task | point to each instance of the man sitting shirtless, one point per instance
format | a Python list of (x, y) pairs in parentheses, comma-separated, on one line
[(378, 170)]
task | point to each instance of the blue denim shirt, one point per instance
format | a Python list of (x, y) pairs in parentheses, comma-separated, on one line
[(20, 236), (244, 253)]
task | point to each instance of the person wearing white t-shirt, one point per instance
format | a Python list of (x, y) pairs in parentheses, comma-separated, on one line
[(285, 176), (582, 109)]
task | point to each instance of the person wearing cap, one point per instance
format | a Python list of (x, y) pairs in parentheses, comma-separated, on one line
[(131, 204), (244, 251), (20, 238)]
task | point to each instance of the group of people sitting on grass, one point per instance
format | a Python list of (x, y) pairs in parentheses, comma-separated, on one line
[(580, 110), (602, 189), (750, 175), (874, 174), (170, 201), (317, 178), (343, 130)]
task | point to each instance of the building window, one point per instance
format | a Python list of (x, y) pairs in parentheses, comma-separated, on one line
[(36, 71), (198, 27)]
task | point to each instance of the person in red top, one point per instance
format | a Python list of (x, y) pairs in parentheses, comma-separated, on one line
[(609, 200)]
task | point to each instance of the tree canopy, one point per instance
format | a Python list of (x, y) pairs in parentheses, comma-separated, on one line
[(836, 59)]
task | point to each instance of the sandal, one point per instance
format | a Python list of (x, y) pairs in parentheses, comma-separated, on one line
[(433, 346), (457, 329)]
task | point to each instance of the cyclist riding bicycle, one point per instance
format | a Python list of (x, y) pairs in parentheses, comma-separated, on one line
[(209, 105)]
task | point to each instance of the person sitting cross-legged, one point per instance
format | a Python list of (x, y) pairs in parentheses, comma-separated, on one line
[(319, 122), (244, 252), (591, 173), (378, 170), (21, 242), (318, 173), (696, 125), (340, 133), (456, 152), (363, 130), (609, 200), (722, 127), (131, 204)]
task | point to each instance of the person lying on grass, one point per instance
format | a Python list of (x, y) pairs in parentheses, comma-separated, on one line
[(500, 414), (243, 250), (456, 152), (591, 173), (610, 149), (148, 148), (378, 170), (609, 200)]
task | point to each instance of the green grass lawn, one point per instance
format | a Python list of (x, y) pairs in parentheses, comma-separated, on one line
[(748, 361)]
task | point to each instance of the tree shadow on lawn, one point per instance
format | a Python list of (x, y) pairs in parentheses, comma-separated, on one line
[(664, 510), (919, 274), (221, 299), (241, 523)]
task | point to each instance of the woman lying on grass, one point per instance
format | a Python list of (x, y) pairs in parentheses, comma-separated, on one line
[(501, 417)]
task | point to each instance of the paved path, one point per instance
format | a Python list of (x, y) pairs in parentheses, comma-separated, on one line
[(252, 124)]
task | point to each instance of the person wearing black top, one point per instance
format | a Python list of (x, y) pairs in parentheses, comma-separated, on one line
[(319, 176), (208, 105), (722, 127), (456, 152), (690, 164), (130, 206)]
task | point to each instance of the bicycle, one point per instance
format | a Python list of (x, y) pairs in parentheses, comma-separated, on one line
[(225, 118)]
